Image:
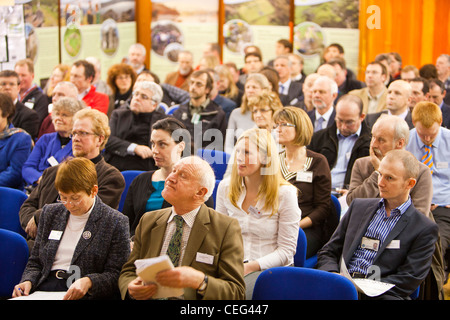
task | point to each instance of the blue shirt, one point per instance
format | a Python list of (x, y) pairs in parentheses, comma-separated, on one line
[(441, 158), (156, 200), (379, 228), (344, 153)]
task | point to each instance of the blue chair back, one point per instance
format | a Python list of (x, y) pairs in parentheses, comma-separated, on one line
[(13, 259), (337, 206), (10, 202), (300, 253), (293, 283), (129, 176), (172, 109), (214, 194), (217, 159)]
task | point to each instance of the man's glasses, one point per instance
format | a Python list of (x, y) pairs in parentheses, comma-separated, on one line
[(81, 134)]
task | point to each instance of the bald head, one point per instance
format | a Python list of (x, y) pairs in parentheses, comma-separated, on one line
[(398, 97)]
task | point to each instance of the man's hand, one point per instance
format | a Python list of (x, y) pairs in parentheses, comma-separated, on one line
[(143, 151), (375, 157), (138, 290), (31, 228), (181, 277)]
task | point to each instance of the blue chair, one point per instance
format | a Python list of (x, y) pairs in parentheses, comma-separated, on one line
[(214, 194), (293, 283), (217, 159), (300, 253), (129, 176), (163, 107), (11, 200), (337, 206), (13, 259), (172, 109)]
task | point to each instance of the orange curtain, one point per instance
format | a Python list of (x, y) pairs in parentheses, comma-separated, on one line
[(417, 29)]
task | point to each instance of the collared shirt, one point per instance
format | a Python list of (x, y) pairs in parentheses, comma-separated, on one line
[(344, 153), (373, 101), (379, 228), (189, 219), (441, 160), (198, 109), (326, 117), (84, 93), (401, 115), (284, 87)]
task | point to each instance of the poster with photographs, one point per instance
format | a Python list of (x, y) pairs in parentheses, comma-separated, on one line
[(181, 25), (104, 29), (319, 23), (12, 36), (254, 22)]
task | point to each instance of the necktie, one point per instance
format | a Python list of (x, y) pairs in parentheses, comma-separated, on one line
[(174, 249), (319, 124), (281, 89), (427, 158)]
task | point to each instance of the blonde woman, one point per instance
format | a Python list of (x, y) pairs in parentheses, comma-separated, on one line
[(263, 202), (263, 108)]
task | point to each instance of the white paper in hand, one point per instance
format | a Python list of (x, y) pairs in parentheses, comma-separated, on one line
[(147, 270)]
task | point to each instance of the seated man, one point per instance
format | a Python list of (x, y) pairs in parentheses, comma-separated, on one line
[(128, 148), (90, 132), (209, 264), (388, 233)]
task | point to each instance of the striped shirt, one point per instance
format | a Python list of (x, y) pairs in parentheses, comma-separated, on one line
[(379, 228)]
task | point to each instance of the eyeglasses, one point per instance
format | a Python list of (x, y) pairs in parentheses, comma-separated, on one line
[(10, 84), (82, 134), (72, 202), (283, 125), (260, 110)]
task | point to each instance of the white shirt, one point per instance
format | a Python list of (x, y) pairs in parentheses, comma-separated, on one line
[(326, 117), (270, 240)]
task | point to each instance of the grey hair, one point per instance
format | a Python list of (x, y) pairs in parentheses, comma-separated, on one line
[(69, 85), (205, 174), (140, 47), (153, 87), (68, 104), (401, 128), (331, 83)]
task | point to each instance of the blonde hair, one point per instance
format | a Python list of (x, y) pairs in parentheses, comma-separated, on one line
[(270, 170), (303, 126), (262, 81)]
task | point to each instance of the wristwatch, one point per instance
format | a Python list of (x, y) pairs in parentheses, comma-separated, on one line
[(202, 287)]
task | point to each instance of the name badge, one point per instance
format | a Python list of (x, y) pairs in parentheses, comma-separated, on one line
[(254, 211), (53, 162), (371, 244), (442, 165), (195, 118), (348, 155), (29, 105), (204, 258), (304, 176), (395, 244), (55, 235)]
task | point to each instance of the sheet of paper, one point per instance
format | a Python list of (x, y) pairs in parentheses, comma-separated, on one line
[(147, 270), (43, 295), (369, 287)]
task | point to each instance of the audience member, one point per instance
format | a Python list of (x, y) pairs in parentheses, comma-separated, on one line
[(397, 103), (272, 75), (297, 63), (372, 227), (253, 63), (419, 92), (309, 172), (208, 61), (22, 117), (180, 78), (241, 118), (443, 73), (263, 106), (226, 85), (409, 73), (204, 231), (395, 65), (290, 92), (428, 71), (263, 202), (89, 235), (343, 80), (121, 78), (436, 94), (226, 104), (128, 147), (90, 132), (385, 60), (324, 92), (307, 103), (389, 132), (374, 95), (136, 57), (81, 75), (202, 114), (29, 93), (61, 72), (343, 142), (282, 47), (99, 84), (15, 146), (213, 48), (336, 50), (52, 148)]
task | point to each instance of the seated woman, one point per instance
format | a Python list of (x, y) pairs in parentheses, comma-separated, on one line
[(52, 148), (80, 234), (263, 202), (263, 107), (61, 72), (121, 79), (15, 146), (309, 172), (144, 193)]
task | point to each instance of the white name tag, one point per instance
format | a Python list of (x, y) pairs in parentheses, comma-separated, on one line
[(395, 244), (304, 176), (29, 105), (442, 165), (53, 162), (204, 258), (55, 235), (371, 244), (254, 211)]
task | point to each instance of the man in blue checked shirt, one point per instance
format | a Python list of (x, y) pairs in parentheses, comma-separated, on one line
[(387, 232)]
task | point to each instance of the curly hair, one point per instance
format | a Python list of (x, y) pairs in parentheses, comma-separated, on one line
[(115, 70)]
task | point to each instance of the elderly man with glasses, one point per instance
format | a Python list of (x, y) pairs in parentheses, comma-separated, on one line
[(90, 132), (128, 148)]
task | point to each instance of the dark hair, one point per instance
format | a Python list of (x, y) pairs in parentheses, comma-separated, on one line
[(428, 71), (436, 82), (118, 69), (169, 125), (253, 54), (89, 70), (425, 87), (10, 74), (384, 70), (152, 74), (337, 46), (209, 79), (7, 106), (286, 43)]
